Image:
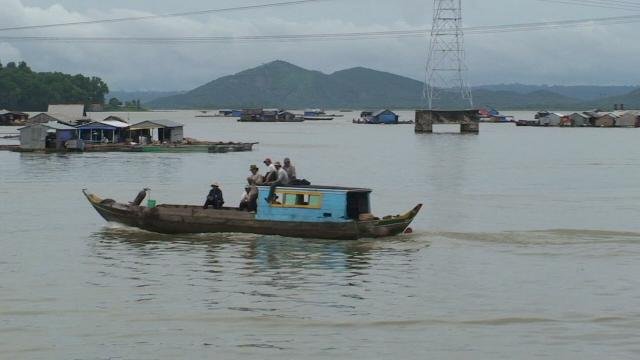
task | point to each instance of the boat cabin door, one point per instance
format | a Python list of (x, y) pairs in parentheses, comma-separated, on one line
[(357, 204)]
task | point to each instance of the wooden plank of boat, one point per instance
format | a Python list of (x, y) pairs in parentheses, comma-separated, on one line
[(179, 219)]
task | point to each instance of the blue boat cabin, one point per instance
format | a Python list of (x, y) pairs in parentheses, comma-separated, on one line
[(313, 204)]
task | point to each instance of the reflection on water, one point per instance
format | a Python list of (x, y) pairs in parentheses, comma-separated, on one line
[(260, 251)]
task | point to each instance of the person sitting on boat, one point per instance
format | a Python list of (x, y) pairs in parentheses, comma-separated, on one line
[(281, 179), (271, 174), (254, 180), (244, 200), (214, 198), (290, 169)]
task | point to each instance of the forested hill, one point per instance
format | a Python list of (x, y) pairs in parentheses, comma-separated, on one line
[(283, 85), (22, 89)]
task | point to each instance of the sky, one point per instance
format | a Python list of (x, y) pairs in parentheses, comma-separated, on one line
[(594, 55)]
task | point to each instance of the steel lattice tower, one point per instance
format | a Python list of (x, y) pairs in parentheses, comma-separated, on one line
[(446, 65)]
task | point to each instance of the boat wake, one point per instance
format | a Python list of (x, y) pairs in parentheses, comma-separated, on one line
[(544, 237)]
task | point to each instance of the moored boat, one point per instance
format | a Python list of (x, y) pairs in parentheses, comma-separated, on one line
[(325, 212), (316, 114)]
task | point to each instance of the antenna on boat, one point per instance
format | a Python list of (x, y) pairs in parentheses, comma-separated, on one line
[(445, 80)]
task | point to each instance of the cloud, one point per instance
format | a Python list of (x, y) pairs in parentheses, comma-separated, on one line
[(606, 55), (9, 53)]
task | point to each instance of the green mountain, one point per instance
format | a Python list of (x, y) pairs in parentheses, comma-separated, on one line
[(280, 84), (283, 85), (630, 101)]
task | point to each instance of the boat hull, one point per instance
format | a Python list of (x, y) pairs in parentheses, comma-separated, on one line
[(184, 219)]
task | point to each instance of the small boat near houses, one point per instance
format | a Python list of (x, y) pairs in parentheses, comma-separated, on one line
[(316, 114), (325, 212)]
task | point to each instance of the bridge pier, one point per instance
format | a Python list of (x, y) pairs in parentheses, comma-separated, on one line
[(469, 120)]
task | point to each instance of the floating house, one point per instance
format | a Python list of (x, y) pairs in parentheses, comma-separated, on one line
[(286, 116), (164, 131), (106, 131), (385, 116), (270, 114), (51, 135), (12, 117), (251, 115), (551, 119), (72, 115), (579, 119), (630, 119), (605, 120)]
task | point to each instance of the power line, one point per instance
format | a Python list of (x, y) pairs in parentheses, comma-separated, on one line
[(149, 17), (492, 29), (606, 4)]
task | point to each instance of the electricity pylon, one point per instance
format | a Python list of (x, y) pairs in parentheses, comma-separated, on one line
[(446, 66)]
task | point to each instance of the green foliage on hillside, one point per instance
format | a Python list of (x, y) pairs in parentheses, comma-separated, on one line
[(22, 89), (282, 85)]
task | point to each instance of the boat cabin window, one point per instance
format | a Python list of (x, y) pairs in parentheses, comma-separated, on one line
[(357, 204), (292, 199)]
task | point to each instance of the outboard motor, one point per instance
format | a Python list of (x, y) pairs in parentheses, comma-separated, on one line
[(140, 197)]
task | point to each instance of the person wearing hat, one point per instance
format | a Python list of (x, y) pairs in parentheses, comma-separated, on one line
[(271, 171), (214, 198), (254, 180), (281, 179)]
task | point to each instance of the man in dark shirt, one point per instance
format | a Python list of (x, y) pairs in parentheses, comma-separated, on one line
[(214, 198)]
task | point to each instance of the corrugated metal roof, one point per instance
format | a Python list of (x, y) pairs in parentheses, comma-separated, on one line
[(110, 123), (154, 124), (115, 123), (67, 113), (52, 125)]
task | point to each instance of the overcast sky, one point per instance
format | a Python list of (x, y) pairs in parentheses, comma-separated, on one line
[(601, 54)]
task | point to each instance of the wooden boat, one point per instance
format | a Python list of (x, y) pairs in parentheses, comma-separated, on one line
[(316, 114), (324, 212), (212, 147)]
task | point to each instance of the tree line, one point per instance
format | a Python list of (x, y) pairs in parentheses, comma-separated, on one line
[(22, 89)]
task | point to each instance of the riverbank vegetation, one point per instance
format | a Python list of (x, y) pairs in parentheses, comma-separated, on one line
[(22, 89)]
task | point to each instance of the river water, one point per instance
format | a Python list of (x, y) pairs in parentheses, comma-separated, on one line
[(527, 248)]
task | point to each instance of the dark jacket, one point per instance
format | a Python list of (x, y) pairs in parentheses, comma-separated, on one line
[(215, 198)]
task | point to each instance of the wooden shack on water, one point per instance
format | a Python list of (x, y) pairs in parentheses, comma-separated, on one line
[(605, 120), (51, 135), (106, 131), (630, 119), (164, 131), (13, 117)]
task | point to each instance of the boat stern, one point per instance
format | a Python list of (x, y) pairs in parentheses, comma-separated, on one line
[(388, 225)]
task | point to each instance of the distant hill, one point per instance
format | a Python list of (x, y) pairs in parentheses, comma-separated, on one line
[(630, 100), (280, 84), (580, 92)]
